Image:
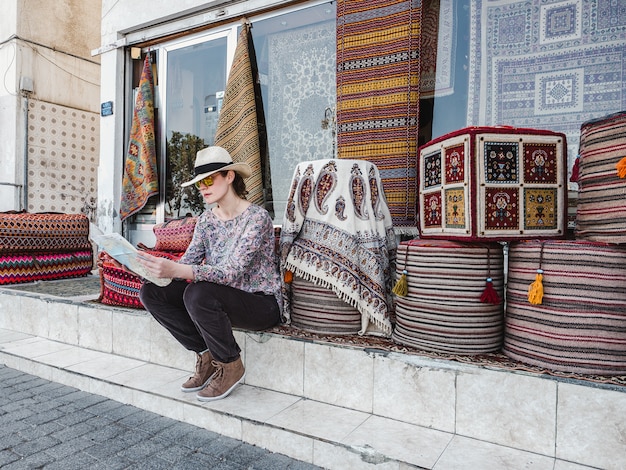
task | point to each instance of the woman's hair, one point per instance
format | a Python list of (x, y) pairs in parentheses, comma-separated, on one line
[(239, 185)]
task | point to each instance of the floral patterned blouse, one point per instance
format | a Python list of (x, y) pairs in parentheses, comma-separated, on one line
[(237, 252)]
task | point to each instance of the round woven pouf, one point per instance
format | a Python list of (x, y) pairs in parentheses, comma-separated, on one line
[(318, 309), (442, 310), (579, 326)]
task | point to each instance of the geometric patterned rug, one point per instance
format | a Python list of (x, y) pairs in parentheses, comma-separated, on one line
[(546, 65)]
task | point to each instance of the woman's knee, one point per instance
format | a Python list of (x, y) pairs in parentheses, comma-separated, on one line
[(199, 293), (147, 293)]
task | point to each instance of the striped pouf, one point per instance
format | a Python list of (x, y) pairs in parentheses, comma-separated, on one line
[(317, 309), (580, 324), (442, 310), (601, 209)]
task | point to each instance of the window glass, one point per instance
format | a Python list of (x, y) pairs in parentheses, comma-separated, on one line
[(195, 82), (296, 56)]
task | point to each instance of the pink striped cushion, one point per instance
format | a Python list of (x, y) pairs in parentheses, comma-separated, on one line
[(318, 309), (580, 326), (442, 311), (601, 210)]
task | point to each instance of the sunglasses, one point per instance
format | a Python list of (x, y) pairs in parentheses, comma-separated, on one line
[(208, 181)]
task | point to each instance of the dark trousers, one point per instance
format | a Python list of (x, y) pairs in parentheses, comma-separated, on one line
[(201, 315)]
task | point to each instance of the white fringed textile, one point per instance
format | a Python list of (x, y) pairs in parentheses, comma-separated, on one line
[(337, 233)]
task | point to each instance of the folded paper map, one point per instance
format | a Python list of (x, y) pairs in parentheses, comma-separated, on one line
[(123, 252)]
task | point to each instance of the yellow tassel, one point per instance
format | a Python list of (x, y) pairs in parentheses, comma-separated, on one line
[(621, 168), (401, 289), (535, 290)]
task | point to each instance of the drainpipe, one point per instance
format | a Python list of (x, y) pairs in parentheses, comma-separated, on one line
[(25, 184), (26, 88)]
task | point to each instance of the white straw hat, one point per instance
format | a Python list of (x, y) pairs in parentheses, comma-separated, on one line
[(213, 159)]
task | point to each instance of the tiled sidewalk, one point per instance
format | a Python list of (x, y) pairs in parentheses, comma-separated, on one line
[(48, 425), (330, 436)]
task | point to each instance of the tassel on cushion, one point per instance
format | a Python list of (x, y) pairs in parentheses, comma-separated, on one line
[(535, 290), (288, 278), (401, 289), (490, 295), (621, 168)]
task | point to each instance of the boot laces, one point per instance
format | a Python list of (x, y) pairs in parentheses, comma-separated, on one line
[(219, 372)]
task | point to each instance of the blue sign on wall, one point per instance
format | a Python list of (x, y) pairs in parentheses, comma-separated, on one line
[(106, 109)]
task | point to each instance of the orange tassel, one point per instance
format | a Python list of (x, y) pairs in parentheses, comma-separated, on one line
[(621, 168), (535, 290), (288, 277), (490, 295)]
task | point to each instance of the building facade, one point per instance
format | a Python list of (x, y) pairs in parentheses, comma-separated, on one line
[(545, 64), (49, 106)]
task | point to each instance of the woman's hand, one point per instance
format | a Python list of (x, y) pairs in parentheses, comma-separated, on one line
[(163, 267)]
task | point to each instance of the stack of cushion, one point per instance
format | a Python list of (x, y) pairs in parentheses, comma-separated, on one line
[(43, 246)]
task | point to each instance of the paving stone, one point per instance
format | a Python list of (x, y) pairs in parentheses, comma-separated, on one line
[(55, 427)]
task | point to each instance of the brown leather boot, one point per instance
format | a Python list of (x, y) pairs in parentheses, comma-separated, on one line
[(227, 377), (204, 372)]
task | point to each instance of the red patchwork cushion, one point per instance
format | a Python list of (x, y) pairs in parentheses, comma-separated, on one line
[(174, 235), (120, 287)]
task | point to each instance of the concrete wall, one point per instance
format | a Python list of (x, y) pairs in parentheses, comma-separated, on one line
[(9, 110), (50, 81)]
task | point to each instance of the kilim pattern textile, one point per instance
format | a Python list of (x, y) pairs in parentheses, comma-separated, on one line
[(29, 267), (442, 311), (318, 309), (337, 233), (493, 183), (140, 169), (580, 325), (237, 127), (377, 95), (24, 232), (174, 235), (437, 48), (601, 210), (120, 287)]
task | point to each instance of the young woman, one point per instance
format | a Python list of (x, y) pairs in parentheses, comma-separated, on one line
[(227, 277)]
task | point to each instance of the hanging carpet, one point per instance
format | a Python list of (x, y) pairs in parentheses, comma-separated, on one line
[(378, 76), (141, 178), (237, 128)]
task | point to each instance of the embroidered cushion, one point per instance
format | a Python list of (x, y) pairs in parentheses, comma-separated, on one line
[(601, 211), (29, 267), (442, 310), (174, 235), (24, 232), (493, 183), (580, 325)]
